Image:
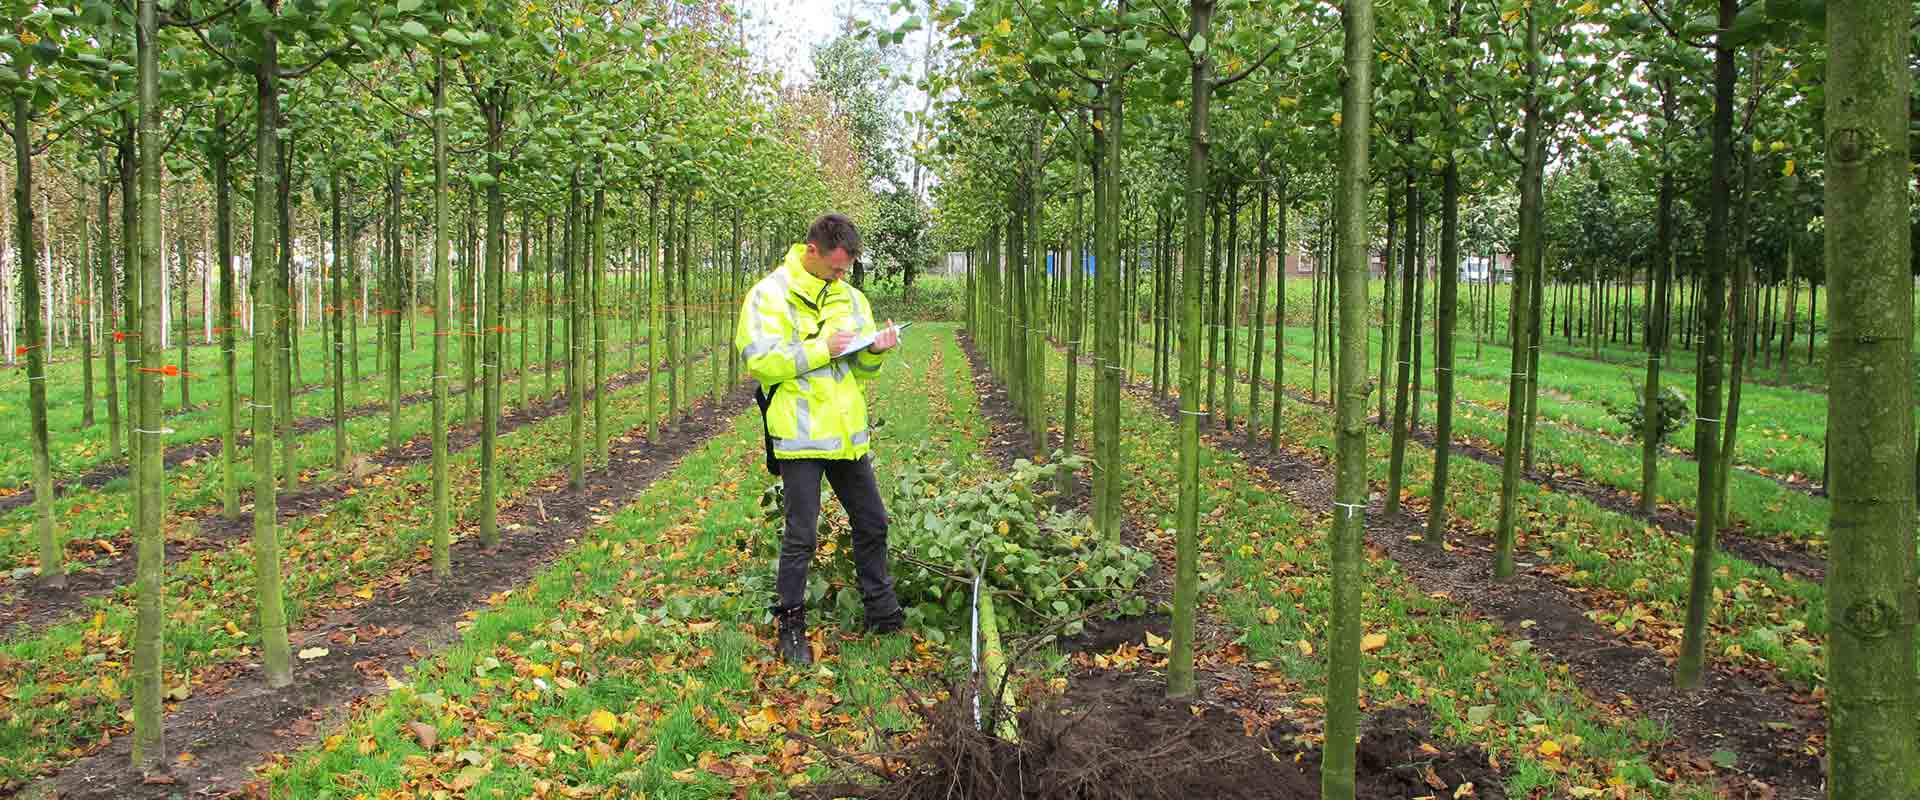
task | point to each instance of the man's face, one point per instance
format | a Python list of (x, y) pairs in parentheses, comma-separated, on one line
[(829, 266)]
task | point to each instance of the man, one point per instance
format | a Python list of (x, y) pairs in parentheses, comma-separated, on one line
[(795, 326)]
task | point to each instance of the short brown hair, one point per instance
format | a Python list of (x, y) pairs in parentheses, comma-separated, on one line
[(832, 231)]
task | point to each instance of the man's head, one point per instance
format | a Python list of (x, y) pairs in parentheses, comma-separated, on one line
[(833, 246)]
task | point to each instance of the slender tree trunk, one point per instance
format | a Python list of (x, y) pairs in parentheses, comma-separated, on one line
[(53, 572), (83, 308), (111, 333), (1259, 309), (336, 322), (1650, 434), (1388, 319), (1445, 318), (1350, 448), (1519, 307), (230, 411), (268, 594), (1282, 247), (1691, 668), (442, 329), (598, 265), (576, 438), (149, 471), (1187, 540), (493, 330), (1403, 380), (1743, 314), (1871, 574)]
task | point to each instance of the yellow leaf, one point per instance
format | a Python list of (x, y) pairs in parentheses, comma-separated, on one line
[(1549, 748), (1155, 642), (1004, 27), (1788, 169), (1380, 678), (365, 593), (1372, 642), (1306, 647), (1270, 614), (602, 721), (539, 670), (234, 630)]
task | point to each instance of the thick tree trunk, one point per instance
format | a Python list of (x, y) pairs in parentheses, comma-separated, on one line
[(268, 594), (1871, 575)]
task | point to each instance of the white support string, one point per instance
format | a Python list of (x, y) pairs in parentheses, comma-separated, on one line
[(160, 432), (1352, 508)]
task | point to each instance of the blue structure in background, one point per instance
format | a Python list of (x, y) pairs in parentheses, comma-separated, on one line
[(1086, 259)]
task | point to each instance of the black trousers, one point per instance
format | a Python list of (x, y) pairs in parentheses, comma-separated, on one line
[(859, 493)]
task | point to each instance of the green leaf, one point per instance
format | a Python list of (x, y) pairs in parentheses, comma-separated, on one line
[(1724, 759), (414, 29), (1478, 715), (456, 37), (408, 6), (1198, 46)]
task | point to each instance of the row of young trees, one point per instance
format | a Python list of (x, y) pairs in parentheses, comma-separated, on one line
[(1224, 114), (461, 156)]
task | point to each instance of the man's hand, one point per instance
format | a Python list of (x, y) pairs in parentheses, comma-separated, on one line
[(887, 339), (837, 343)]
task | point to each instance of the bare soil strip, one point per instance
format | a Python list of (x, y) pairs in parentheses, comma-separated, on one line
[(1787, 557), (39, 607), (232, 727), (110, 471), (1765, 726), (1394, 750)]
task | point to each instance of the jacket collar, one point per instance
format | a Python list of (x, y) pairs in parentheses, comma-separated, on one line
[(799, 280)]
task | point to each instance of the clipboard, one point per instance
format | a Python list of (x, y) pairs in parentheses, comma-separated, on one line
[(862, 342)]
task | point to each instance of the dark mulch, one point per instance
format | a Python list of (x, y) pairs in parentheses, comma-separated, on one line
[(232, 727), (39, 607), (1765, 725), (1115, 735)]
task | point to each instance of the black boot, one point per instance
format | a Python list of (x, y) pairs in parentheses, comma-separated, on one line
[(793, 645), (887, 623)]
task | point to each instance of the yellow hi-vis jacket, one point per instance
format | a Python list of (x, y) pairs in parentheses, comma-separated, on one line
[(819, 408)]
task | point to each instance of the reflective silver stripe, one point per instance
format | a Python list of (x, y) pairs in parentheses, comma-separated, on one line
[(861, 436), (799, 352), (790, 445), (759, 347), (860, 311), (803, 418)]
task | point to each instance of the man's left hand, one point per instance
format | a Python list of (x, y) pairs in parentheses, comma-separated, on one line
[(885, 340)]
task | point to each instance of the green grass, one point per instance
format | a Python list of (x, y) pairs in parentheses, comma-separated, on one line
[(1633, 575), (65, 683), (88, 514), (674, 649), (74, 450), (1266, 562)]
